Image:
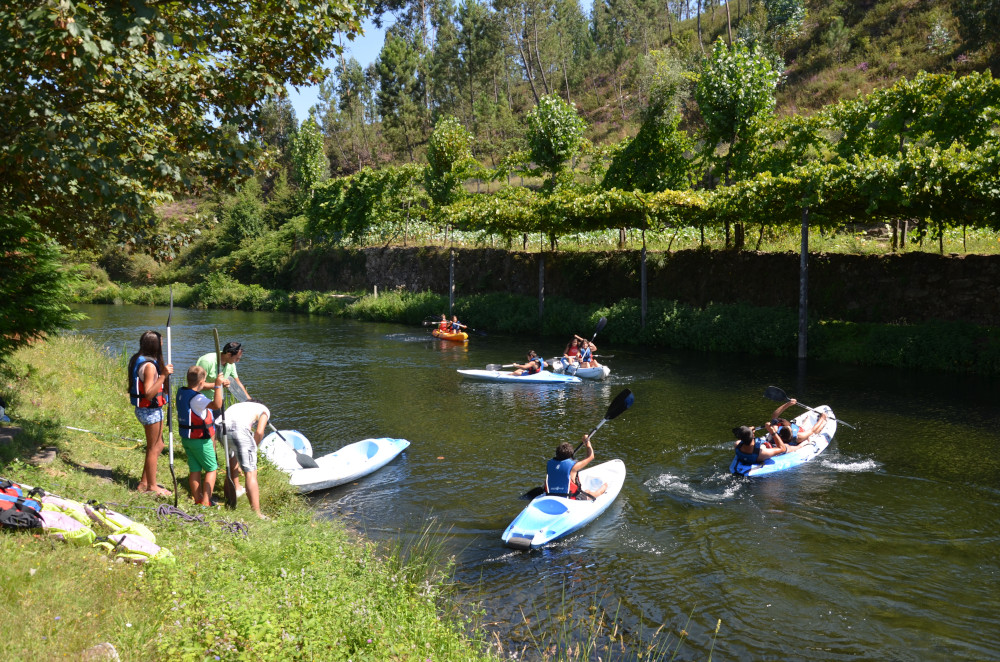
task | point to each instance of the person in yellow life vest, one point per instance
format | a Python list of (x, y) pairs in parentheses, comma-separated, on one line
[(195, 421)]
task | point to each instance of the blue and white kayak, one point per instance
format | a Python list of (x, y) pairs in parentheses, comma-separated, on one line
[(343, 466), (548, 518), (596, 372), (505, 376), (805, 451)]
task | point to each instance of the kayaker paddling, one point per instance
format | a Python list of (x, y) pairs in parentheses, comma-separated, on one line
[(562, 473), (534, 365), (790, 432), (751, 451)]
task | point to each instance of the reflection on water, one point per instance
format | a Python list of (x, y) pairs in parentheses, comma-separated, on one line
[(885, 547)]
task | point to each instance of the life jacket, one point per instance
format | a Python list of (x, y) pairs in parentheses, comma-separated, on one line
[(137, 549), (115, 522), (69, 507), (444, 325), (61, 526), (17, 509), (135, 390), (794, 439), (191, 425), (557, 482), (537, 364), (456, 327), (585, 355), (743, 462)]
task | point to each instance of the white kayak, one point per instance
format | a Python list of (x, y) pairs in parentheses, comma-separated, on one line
[(343, 466), (595, 372), (805, 451), (505, 376), (547, 517)]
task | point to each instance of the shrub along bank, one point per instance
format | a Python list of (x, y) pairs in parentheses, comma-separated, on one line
[(291, 588), (736, 328)]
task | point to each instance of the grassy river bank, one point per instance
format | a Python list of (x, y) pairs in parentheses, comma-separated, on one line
[(292, 588)]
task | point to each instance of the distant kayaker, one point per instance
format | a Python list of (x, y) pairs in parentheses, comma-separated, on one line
[(534, 365), (562, 473), (587, 350), (147, 373), (751, 451), (232, 352), (444, 325), (456, 326), (791, 433), (571, 355), (245, 424)]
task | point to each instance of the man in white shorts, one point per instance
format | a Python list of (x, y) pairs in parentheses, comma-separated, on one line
[(245, 424)]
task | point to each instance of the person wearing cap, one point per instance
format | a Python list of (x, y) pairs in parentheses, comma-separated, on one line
[(791, 433), (231, 354), (751, 451)]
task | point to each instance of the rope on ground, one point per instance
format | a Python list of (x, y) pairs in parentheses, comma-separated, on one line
[(234, 527), (166, 510)]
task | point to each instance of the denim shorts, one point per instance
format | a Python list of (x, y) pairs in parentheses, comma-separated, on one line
[(149, 415)]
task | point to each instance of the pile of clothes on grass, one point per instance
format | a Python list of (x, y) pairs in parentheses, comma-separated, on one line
[(91, 523)]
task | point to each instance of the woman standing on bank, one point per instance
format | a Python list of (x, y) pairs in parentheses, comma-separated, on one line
[(147, 373)]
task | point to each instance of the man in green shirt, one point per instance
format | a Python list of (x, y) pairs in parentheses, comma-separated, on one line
[(231, 354)]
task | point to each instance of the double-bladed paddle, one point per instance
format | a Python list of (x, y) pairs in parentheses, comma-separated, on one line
[(229, 485), (778, 395), (170, 399), (497, 366), (304, 460), (618, 406)]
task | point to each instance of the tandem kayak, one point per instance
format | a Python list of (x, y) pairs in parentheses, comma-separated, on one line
[(343, 466), (596, 372), (505, 376), (461, 336), (548, 518), (805, 451)]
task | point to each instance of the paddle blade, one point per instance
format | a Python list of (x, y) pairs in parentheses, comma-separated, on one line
[(532, 493), (620, 404), (775, 393), (305, 461), (601, 323)]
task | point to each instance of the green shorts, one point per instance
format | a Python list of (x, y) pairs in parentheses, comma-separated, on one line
[(200, 455)]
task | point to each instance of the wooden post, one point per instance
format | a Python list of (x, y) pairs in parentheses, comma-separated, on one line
[(642, 281), (541, 286), (804, 283), (451, 282)]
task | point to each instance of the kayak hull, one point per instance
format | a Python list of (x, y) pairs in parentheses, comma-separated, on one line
[(504, 376), (807, 450), (548, 518), (342, 466), (597, 372), (461, 336)]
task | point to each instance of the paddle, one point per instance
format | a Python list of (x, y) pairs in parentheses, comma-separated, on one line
[(497, 366), (170, 399), (618, 406), (778, 395), (304, 460), (106, 434), (229, 485)]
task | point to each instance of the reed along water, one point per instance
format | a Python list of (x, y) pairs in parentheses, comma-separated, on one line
[(885, 547)]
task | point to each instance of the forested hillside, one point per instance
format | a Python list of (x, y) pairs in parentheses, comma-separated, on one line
[(489, 63)]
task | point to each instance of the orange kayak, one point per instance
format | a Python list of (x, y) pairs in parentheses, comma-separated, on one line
[(461, 336)]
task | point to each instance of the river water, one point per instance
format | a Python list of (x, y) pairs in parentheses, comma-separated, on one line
[(886, 547)]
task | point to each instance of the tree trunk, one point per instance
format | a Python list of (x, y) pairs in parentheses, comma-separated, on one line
[(729, 25)]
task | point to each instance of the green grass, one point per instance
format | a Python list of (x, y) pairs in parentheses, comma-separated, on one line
[(294, 588)]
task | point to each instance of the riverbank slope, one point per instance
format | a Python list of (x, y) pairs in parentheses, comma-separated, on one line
[(291, 587)]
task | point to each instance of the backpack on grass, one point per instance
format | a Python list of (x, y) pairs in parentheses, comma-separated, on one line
[(18, 510)]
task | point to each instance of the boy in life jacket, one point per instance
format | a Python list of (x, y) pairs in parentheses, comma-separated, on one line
[(534, 365), (195, 421), (790, 433), (562, 473), (751, 451)]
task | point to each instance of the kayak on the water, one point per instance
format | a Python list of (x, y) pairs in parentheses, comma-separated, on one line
[(506, 376), (549, 517), (800, 454), (595, 372), (343, 466), (460, 336)]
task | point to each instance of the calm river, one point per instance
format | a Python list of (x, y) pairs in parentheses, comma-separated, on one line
[(887, 547)]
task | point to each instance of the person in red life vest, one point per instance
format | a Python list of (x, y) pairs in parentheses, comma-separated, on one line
[(444, 326), (146, 375), (535, 364), (562, 473), (195, 422)]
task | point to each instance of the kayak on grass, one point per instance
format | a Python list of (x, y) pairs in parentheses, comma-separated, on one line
[(461, 336), (595, 372), (549, 518), (807, 450), (506, 376), (343, 466)]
